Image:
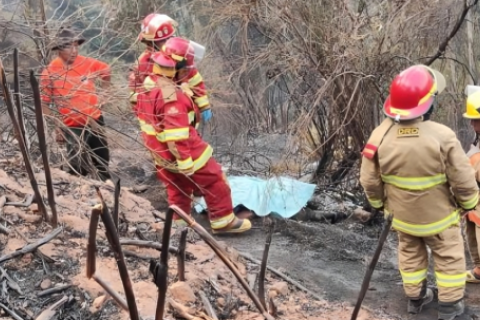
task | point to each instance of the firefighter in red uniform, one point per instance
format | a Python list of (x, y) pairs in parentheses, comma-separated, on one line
[(156, 30), (184, 161)]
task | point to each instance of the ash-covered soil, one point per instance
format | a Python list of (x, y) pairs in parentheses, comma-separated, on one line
[(60, 264)]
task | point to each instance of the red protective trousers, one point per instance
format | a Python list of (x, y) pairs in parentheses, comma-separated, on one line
[(210, 180)]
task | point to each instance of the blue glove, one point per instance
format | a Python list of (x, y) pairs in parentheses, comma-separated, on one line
[(207, 115)]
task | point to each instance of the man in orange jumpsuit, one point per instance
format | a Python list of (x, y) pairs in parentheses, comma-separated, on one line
[(156, 30), (68, 88), (184, 161)]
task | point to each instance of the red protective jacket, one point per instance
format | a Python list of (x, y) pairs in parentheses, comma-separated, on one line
[(144, 67), (165, 113)]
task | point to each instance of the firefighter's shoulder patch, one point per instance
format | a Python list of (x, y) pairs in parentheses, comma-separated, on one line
[(408, 132), (369, 151)]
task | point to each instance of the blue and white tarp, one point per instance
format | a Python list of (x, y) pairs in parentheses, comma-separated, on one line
[(281, 196)]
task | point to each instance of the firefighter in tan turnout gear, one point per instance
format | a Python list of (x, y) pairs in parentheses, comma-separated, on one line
[(472, 218), (416, 170)]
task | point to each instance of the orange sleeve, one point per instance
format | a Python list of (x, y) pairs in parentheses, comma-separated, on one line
[(101, 68), (46, 90)]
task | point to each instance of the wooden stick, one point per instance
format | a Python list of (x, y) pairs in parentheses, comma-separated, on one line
[(42, 141), (10, 312), (92, 241), (181, 254), (121, 302), (32, 246), (53, 290), (371, 267), (25, 203), (16, 92), (263, 267), (11, 283), (273, 308), (154, 245), (21, 142), (48, 313), (112, 237), (116, 203), (129, 253), (208, 306), (160, 270), (4, 230), (223, 256), (38, 252), (281, 275)]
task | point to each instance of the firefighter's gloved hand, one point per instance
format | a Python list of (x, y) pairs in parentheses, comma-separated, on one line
[(207, 115)]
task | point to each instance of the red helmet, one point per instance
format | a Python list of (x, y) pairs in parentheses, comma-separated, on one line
[(180, 50), (156, 27), (164, 65), (412, 92)]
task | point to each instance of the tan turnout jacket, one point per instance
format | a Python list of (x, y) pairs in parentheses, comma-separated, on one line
[(420, 174)]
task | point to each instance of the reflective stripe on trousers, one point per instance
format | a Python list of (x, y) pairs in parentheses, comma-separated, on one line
[(426, 230), (451, 280), (197, 163), (413, 277)]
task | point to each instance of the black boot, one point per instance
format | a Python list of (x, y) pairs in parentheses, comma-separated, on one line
[(426, 296), (450, 310)]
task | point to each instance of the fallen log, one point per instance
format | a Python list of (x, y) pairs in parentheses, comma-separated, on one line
[(32, 246)]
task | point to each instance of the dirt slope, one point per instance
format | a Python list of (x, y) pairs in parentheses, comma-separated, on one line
[(30, 274)]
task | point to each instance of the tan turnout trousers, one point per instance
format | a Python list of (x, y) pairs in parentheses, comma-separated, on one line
[(449, 258)]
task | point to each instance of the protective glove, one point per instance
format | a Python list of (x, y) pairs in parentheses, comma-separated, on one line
[(207, 115)]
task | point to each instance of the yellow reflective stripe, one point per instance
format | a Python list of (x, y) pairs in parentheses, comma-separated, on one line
[(197, 164), (469, 204), (191, 116), (148, 129), (149, 84), (426, 230), (413, 277), (195, 80), (133, 96), (222, 222), (375, 203), (173, 134), (451, 280), (415, 183), (202, 101), (185, 164)]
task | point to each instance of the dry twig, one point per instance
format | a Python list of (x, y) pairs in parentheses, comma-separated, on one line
[(181, 254), (32, 246), (223, 256)]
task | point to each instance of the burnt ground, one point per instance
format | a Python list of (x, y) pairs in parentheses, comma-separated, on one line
[(329, 259)]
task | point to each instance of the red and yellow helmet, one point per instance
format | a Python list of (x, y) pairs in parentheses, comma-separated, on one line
[(412, 92), (164, 65), (180, 50), (157, 27)]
